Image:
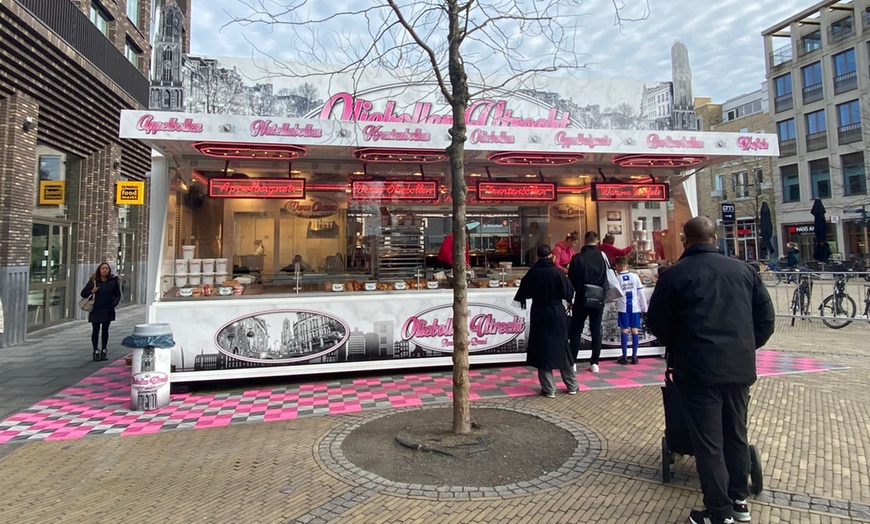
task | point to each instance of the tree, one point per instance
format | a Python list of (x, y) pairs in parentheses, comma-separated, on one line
[(441, 42)]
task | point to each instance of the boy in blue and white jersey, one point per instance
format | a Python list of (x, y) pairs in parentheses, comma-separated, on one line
[(630, 306)]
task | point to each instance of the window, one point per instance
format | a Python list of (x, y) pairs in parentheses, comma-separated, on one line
[(849, 114), (791, 186), (133, 12), (844, 62), (657, 223), (811, 42), (132, 52), (816, 122), (840, 29), (812, 74), (100, 18), (740, 184), (854, 175), (651, 205), (759, 176), (820, 179), (720, 182), (785, 129), (783, 85)]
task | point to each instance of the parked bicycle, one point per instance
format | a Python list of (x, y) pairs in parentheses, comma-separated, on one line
[(866, 302), (838, 306), (800, 299), (775, 273)]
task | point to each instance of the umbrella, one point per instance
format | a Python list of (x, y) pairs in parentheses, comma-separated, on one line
[(766, 229), (821, 251)]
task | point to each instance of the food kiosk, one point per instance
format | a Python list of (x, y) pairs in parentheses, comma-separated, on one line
[(309, 245)]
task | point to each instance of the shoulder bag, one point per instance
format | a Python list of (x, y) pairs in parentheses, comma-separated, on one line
[(87, 304), (614, 287)]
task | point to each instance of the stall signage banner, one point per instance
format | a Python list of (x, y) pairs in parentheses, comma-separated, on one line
[(516, 191), (52, 192), (394, 189), (728, 212), (312, 207), (802, 229), (630, 192), (489, 327), (130, 193), (289, 188), (567, 211)]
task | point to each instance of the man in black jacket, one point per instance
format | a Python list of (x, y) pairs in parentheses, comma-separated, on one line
[(711, 313), (587, 267)]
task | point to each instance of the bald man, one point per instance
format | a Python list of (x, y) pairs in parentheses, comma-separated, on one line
[(712, 312)]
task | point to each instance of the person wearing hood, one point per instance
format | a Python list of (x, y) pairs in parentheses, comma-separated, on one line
[(548, 348)]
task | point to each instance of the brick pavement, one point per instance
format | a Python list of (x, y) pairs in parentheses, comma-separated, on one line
[(812, 431)]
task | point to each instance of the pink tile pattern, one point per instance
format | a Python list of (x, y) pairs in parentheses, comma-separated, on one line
[(100, 403)]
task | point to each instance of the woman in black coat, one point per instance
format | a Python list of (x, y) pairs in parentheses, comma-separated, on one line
[(548, 348), (106, 289)]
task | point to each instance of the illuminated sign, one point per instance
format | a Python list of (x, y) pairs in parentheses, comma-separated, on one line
[(728, 212), (516, 191), (394, 189), (630, 192), (289, 188), (51, 192), (130, 193)]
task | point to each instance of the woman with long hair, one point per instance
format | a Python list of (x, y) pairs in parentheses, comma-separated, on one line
[(106, 289)]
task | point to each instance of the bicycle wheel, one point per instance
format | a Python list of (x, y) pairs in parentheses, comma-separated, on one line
[(794, 305), (835, 310), (770, 277)]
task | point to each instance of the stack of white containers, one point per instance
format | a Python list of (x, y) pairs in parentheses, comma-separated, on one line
[(180, 272), (194, 274), (220, 270)]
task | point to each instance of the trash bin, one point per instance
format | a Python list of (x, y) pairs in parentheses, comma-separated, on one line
[(149, 376)]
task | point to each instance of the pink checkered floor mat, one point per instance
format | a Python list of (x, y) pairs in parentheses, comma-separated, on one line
[(100, 404)]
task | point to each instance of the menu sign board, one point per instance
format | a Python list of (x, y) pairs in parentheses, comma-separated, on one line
[(287, 188), (130, 193), (516, 191), (394, 189), (630, 192)]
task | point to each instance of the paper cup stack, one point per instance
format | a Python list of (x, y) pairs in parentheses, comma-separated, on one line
[(181, 269)]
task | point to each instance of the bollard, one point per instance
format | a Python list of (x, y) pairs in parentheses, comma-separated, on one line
[(149, 376)]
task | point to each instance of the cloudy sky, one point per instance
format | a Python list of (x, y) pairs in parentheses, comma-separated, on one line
[(723, 38)]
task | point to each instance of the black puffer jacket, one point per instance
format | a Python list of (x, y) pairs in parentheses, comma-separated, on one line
[(106, 300), (711, 312)]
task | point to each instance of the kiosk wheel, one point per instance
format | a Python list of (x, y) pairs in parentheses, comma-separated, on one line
[(667, 459), (756, 476)]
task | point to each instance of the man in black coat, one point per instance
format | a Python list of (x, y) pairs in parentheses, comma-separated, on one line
[(547, 349), (711, 313), (587, 267)]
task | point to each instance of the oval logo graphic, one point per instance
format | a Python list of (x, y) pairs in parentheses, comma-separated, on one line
[(490, 327), (282, 336), (566, 211), (312, 207), (149, 380)]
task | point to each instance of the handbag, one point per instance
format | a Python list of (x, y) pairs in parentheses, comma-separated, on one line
[(87, 304), (593, 296), (613, 292)]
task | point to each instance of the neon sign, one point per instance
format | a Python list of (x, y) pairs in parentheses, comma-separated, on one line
[(630, 192), (287, 188), (516, 191), (394, 189)]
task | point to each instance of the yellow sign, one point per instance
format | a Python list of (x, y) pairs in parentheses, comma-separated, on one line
[(51, 192), (130, 193)]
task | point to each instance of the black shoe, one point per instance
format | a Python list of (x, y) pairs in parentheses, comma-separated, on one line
[(704, 517), (622, 360), (634, 360), (548, 394), (740, 511), (104, 354), (96, 355)]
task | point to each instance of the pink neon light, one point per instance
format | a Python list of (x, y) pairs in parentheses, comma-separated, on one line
[(249, 151), (534, 159), (390, 155), (665, 161)]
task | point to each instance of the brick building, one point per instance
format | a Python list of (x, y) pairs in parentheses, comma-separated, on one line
[(69, 68)]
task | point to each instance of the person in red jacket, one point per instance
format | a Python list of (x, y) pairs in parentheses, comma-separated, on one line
[(612, 251), (445, 253), (563, 251)]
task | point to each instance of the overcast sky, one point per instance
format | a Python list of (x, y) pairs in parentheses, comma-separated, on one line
[(723, 38)]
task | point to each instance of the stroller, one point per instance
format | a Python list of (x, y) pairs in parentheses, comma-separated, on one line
[(676, 438)]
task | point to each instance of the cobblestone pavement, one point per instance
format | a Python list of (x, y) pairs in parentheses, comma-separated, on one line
[(813, 432)]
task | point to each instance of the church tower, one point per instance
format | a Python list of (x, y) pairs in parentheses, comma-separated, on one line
[(684, 104), (169, 40)]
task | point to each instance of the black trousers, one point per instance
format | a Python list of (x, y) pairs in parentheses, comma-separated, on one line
[(95, 332), (578, 319), (716, 420)]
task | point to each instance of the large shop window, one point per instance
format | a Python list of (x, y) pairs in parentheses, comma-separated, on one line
[(57, 182), (791, 185)]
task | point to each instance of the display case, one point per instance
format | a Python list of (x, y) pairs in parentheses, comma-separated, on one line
[(399, 251)]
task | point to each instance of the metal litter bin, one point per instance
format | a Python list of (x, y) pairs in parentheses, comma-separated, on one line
[(149, 376)]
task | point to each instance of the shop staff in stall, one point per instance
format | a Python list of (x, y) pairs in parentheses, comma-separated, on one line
[(612, 251), (445, 253), (564, 251)]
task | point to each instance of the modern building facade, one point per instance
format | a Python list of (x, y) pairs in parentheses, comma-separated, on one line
[(69, 68), (744, 183), (817, 70)]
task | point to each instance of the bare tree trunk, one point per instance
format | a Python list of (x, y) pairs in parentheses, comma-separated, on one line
[(459, 190)]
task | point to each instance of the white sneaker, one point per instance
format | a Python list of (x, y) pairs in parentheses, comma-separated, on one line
[(593, 368)]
